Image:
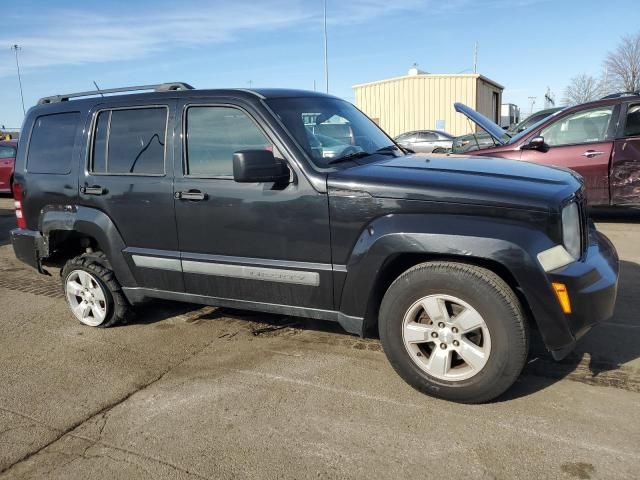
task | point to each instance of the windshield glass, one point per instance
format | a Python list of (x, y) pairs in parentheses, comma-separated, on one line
[(530, 128), (329, 128)]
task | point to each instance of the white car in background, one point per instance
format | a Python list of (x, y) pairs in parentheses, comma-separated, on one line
[(425, 141)]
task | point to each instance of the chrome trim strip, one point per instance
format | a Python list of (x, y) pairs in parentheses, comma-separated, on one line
[(256, 261), (339, 268), (252, 273), (172, 264)]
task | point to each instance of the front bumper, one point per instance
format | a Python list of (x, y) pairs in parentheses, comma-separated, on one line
[(592, 284)]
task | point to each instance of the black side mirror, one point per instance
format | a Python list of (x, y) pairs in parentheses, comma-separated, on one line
[(259, 166), (536, 143)]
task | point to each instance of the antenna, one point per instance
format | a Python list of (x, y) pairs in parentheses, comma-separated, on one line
[(15, 48), (98, 89)]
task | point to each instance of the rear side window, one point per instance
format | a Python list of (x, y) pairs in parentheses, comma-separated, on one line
[(7, 152), (214, 134), (130, 142), (632, 127), (51, 144)]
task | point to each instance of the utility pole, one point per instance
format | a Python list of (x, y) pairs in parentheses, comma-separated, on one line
[(475, 58), (533, 102), (15, 48), (250, 83), (326, 63)]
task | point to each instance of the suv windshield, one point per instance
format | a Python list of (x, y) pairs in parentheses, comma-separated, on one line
[(329, 128)]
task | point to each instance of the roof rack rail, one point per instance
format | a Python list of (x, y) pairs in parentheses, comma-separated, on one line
[(160, 87), (621, 94)]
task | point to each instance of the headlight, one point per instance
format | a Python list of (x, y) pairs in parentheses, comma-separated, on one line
[(571, 229)]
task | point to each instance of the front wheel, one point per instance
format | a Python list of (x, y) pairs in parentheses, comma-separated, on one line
[(454, 331)]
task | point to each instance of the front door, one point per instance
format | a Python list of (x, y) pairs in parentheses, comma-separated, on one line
[(129, 176), (581, 141), (625, 165), (255, 242)]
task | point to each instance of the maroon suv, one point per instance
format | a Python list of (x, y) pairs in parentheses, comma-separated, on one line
[(7, 162), (600, 140)]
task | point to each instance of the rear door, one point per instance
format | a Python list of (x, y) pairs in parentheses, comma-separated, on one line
[(581, 141), (128, 175), (625, 164)]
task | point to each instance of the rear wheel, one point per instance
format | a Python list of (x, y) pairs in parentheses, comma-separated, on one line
[(454, 331), (92, 292)]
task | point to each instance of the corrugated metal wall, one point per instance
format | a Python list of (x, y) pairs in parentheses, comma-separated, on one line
[(418, 102)]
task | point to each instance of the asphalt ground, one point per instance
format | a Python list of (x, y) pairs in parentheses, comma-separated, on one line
[(198, 392)]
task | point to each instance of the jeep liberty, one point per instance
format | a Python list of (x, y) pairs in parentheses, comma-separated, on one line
[(296, 203)]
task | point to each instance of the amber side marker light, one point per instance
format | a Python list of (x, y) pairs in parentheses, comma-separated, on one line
[(563, 296)]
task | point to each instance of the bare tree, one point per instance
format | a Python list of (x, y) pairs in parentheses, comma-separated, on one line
[(581, 89), (623, 64)]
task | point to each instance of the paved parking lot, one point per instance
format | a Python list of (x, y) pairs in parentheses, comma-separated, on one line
[(193, 392)]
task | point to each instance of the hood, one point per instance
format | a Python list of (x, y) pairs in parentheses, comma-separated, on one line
[(461, 179), (483, 122)]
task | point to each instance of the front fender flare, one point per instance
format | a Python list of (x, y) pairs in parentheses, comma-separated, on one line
[(510, 243)]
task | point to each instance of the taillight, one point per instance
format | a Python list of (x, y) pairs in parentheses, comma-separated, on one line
[(17, 201)]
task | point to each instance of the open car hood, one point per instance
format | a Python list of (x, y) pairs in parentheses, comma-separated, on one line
[(496, 132)]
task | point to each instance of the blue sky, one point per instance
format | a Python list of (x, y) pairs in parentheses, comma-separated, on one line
[(526, 45)]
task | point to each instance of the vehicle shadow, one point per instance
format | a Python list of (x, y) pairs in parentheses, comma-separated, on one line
[(602, 356)]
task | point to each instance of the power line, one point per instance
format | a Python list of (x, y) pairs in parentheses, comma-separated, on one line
[(15, 48)]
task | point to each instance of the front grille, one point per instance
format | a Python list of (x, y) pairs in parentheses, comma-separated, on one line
[(581, 201)]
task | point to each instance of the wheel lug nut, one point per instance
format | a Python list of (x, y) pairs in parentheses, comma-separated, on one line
[(454, 330), (456, 343), (434, 334), (441, 325), (443, 346)]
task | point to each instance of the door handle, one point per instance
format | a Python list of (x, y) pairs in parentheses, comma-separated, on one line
[(94, 190), (591, 153), (194, 195)]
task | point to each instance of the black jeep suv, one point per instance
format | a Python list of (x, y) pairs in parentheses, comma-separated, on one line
[(230, 198)]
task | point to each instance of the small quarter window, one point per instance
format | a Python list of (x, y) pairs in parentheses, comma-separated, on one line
[(632, 126), (130, 141), (214, 134), (51, 144)]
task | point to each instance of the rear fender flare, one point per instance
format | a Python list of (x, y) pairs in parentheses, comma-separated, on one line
[(92, 223)]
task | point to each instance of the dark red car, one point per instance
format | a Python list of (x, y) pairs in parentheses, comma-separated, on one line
[(8, 150), (600, 140)]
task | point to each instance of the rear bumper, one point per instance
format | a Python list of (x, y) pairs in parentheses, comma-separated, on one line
[(592, 284), (27, 246)]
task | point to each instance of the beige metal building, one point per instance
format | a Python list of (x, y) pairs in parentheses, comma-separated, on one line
[(424, 101)]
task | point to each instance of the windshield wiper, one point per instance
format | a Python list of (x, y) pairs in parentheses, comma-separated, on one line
[(351, 156), (388, 150)]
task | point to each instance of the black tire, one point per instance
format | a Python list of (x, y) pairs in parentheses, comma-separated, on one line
[(490, 296), (118, 308)]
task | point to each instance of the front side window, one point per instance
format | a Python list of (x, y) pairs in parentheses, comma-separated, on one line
[(51, 143), (632, 125), (329, 128), (7, 152), (214, 134), (130, 141), (587, 126)]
